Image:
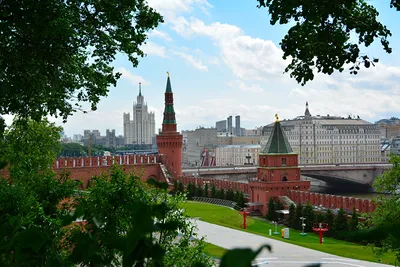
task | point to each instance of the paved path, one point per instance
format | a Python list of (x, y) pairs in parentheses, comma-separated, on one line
[(283, 254)]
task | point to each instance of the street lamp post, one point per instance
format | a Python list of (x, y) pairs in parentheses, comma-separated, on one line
[(303, 225)]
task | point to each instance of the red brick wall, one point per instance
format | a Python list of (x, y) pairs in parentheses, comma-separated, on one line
[(276, 160), (276, 175), (83, 169), (331, 201)]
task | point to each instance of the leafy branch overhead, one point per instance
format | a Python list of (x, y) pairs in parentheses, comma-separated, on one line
[(56, 55), (320, 38)]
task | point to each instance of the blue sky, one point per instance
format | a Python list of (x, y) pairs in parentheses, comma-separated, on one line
[(224, 59)]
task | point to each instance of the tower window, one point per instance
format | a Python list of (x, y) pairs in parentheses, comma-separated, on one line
[(283, 161)]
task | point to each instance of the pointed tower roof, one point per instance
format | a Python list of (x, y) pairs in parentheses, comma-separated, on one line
[(169, 112), (168, 89), (140, 89), (277, 142), (307, 112)]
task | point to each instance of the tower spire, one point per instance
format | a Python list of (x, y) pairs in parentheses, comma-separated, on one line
[(307, 112), (169, 121), (169, 141), (140, 89)]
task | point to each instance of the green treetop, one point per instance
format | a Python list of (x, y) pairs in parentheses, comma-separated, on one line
[(56, 55)]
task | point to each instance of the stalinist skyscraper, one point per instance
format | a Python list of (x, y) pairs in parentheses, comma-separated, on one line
[(141, 129)]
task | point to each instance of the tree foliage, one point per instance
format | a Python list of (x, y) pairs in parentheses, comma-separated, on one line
[(72, 150), (3, 161), (322, 37), (292, 216), (54, 55), (340, 222), (213, 191), (241, 202), (353, 223), (31, 220), (329, 219), (271, 214), (147, 227), (299, 212), (32, 146), (308, 213), (387, 212)]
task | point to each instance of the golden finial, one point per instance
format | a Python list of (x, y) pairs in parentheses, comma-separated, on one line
[(277, 118), (168, 73)]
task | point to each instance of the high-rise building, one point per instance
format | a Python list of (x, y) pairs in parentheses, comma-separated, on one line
[(111, 140), (141, 129), (221, 126), (197, 140), (169, 141), (230, 127), (238, 130)]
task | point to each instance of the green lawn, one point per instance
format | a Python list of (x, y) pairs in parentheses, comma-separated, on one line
[(214, 251), (231, 218)]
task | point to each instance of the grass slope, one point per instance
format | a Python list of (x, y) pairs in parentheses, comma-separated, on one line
[(214, 251), (230, 218)]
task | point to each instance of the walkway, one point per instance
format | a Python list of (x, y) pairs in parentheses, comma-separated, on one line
[(283, 254)]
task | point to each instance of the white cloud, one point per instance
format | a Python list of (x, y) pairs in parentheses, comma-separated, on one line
[(151, 48), (171, 8), (247, 88), (198, 64), (247, 57), (134, 79), (159, 34), (217, 31)]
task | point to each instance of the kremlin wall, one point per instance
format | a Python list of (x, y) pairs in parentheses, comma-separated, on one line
[(278, 174)]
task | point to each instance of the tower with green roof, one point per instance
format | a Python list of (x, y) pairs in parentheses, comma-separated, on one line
[(170, 141), (278, 171)]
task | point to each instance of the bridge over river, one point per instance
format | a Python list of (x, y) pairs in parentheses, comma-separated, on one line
[(335, 174)]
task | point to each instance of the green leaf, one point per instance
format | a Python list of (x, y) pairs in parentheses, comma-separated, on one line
[(160, 210), (32, 238), (241, 257), (14, 221), (376, 60)]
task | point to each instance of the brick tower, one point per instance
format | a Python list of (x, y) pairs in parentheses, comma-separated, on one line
[(169, 141), (278, 171)]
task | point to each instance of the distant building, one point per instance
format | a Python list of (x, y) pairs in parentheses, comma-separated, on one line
[(330, 139), (141, 129), (395, 146), (240, 140), (221, 126), (230, 127), (385, 149), (389, 128), (197, 140), (253, 132), (109, 140), (237, 155), (76, 138), (238, 130)]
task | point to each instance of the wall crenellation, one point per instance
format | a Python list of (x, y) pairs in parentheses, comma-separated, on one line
[(105, 161), (332, 201)]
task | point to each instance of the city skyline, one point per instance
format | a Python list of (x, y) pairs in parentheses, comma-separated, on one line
[(225, 59)]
